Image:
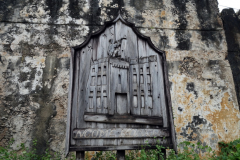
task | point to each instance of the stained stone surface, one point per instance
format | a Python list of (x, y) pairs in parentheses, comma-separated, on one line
[(36, 36)]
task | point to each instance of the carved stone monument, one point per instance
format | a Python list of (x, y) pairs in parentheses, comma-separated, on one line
[(119, 92)]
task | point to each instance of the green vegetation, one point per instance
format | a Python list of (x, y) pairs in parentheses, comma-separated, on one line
[(24, 153), (189, 151)]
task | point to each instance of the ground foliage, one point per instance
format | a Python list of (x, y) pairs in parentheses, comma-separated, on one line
[(188, 151)]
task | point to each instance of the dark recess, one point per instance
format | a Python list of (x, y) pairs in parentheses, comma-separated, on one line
[(194, 126), (54, 6), (183, 39), (191, 88), (207, 13), (231, 24), (181, 10)]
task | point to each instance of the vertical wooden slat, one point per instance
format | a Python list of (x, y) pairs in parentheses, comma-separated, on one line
[(142, 53), (113, 73), (99, 88), (95, 44), (156, 106), (144, 91), (155, 67), (76, 59), (132, 47), (68, 126), (103, 42), (162, 93), (129, 45), (108, 34), (110, 86), (135, 89), (123, 73), (100, 46), (86, 55), (147, 80), (169, 103), (85, 66), (95, 89), (91, 89), (104, 87)]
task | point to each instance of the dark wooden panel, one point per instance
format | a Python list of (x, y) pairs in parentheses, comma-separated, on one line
[(123, 119), (111, 148)]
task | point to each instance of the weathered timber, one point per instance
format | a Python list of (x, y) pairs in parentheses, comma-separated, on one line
[(69, 104), (119, 133), (169, 110), (112, 148), (119, 86), (123, 119)]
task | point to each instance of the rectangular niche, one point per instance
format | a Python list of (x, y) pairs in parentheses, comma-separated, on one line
[(142, 101), (121, 103), (141, 78), (99, 80), (99, 102), (93, 80), (90, 103), (134, 78), (105, 102), (104, 80), (135, 103)]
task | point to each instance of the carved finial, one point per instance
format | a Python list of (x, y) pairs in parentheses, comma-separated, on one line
[(119, 17)]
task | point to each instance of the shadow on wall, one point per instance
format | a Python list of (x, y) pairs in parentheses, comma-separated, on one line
[(231, 23)]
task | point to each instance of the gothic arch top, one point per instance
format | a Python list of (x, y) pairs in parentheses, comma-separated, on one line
[(109, 23)]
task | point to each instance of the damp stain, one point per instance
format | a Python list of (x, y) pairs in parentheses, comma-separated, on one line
[(224, 121)]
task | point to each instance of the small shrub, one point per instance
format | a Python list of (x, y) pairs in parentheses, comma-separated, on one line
[(229, 151), (104, 155), (24, 153), (191, 152)]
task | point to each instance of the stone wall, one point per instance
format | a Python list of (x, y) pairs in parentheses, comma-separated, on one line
[(36, 36)]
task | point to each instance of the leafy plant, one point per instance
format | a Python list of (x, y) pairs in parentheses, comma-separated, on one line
[(24, 153), (104, 155), (189, 151), (229, 151)]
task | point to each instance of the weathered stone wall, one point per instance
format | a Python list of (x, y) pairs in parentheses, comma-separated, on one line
[(36, 36)]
